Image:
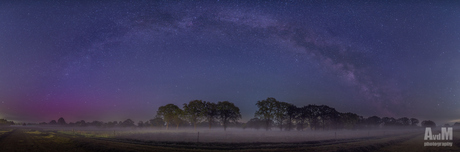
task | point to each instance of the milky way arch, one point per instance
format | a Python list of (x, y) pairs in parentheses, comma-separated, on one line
[(340, 57)]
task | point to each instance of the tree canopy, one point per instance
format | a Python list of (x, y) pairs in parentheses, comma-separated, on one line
[(211, 113), (266, 111), (227, 112), (61, 121), (170, 114), (195, 112)]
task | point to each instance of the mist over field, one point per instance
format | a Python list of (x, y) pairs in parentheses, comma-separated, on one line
[(232, 135), (204, 139)]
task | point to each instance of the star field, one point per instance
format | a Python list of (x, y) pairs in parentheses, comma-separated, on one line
[(116, 60)]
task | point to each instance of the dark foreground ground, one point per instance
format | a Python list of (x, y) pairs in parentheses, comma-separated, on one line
[(36, 139)]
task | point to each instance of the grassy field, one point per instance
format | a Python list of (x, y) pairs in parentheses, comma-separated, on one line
[(87, 139)]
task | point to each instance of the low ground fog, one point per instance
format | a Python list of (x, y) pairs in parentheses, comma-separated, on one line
[(231, 135)]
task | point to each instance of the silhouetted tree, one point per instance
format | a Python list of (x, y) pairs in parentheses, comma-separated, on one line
[(97, 123), (140, 124), (428, 123), (194, 112), (387, 121), (349, 120), (80, 123), (414, 121), (404, 121), (53, 122), (61, 121), (71, 124), (266, 111), (281, 113), (457, 124), (328, 116), (302, 117), (147, 124), (4, 122), (112, 124), (361, 122), (312, 114), (170, 114), (179, 119), (255, 123), (291, 112), (128, 123), (211, 112), (373, 121), (228, 112), (157, 122)]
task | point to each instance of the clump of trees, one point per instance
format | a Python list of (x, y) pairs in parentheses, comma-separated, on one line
[(428, 123), (255, 123), (270, 113), (197, 111), (273, 113), (82, 123), (171, 114), (4, 122), (210, 113), (227, 113), (194, 112), (456, 124)]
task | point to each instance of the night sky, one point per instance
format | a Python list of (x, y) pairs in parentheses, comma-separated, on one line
[(111, 61)]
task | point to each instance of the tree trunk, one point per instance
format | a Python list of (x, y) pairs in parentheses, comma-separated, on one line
[(266, 124), (281, 126), (290, 123), (225, 123)]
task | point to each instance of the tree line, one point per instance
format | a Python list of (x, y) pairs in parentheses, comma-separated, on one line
[(197, 111), (271, 113), (4, 122), (222, 113)]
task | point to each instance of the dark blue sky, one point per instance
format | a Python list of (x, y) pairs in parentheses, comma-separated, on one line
[(117, 60)]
